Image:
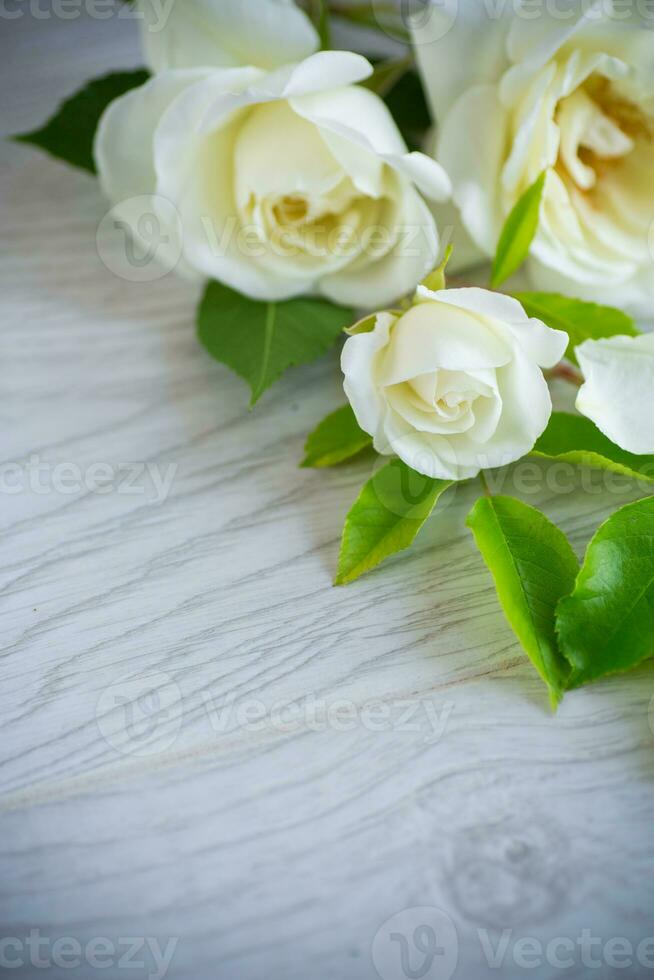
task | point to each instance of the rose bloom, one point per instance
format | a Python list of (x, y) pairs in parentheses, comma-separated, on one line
[(284, 182), (567, 89), (454, 385)]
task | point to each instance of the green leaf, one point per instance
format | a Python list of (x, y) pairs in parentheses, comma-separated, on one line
[(368, 323), (575, 439), (385, 518), (259, 341), (518, 233), (69, 134), (320, 16), (533, 565), (436, 280), (581, 321), (337, 438), (607, 624)]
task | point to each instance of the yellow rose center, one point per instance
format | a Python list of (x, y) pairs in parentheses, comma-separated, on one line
[(599, 130)]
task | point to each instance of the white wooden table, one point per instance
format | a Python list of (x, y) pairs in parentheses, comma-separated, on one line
[(153, 783)]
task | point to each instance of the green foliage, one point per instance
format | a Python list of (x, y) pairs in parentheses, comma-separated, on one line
[(518, 233), (533, 566), (408, 106), (607, 624), (258, 340), (320, 16), (69, 134), (575, 439), (337, 438), (367, 323), (581, 321), (436, 280), (385, 518), (387, 75)]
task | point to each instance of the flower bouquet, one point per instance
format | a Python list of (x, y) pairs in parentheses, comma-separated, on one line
[(321, 195)]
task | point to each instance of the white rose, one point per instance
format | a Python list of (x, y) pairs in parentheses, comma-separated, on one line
[(521, 91), (224, 33), (618, 394), (454, 385), (285, 183)]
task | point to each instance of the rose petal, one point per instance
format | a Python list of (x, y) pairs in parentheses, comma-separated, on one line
[(618, 393), (224, 33)]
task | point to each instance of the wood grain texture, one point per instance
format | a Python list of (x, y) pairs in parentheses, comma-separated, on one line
[(418, 764)]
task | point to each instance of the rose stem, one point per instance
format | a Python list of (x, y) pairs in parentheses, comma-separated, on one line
[(566, 373)]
